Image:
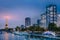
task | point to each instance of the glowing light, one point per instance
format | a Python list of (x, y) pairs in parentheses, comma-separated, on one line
[(7, 17), (6, 36)]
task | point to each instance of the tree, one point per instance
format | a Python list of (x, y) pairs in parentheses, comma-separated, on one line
[(58, 29), (52, 27), (31, 28), (17, 28), (35, 28)]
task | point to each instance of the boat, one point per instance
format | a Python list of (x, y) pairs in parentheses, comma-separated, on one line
[(16, 32), (20, 33), (23, 33), (49, 34)]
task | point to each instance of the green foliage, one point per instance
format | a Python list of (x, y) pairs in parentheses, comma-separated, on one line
[(35, 28), (6, 28), (17, 28), (58, 29), (10, 29), (23, 29), (52, 27), (39, 29), (31, 28)]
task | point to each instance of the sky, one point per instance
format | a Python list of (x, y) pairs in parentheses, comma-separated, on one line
[(18, 10)]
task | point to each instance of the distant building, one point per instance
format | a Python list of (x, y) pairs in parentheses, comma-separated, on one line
[(51, 14), (27, 21), (35, 25), (58, 20), (43, 20), (38, 22), (22, 26)]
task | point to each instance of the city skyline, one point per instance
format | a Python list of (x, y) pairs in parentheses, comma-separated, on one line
[(18, 10)]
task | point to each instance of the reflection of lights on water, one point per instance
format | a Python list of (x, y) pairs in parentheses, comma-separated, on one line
[(6, 36), (24, 39), (18, 36), (13, 35)]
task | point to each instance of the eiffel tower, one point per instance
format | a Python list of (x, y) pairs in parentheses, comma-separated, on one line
[(6, 25)]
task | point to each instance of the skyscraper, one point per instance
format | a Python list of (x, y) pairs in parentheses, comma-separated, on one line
[(43, 20), (58, 20), (22, 26), (51, 14), (38, 22), (27, 21)]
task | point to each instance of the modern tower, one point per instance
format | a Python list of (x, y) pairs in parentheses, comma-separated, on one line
[(38, 22), (22, 26), (27, 21), (6, 25), (58, 20), (43, 20), (51, 14)]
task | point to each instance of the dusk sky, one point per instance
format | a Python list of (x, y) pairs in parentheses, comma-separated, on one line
[(18, 10)]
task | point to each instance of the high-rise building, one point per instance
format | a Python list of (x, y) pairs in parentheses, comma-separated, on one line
[(58, 20), (27, 21), (51, 14), (43, 20), (38, 22), (22, 26)]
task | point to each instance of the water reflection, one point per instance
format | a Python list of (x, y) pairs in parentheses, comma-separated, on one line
[(6, 36), (10, 36)]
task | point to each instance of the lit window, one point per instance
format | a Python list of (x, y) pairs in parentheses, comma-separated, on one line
[(51, 12), (51, 15), (51, 8), (51, 18)]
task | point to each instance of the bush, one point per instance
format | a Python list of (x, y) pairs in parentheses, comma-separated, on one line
[(52, 27)]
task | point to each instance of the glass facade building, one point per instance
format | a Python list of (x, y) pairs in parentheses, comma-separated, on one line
[(27, 21), (43, 20), (38, 22), (51, 14)]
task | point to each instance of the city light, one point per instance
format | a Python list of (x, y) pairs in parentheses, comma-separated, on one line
[(7, 17)]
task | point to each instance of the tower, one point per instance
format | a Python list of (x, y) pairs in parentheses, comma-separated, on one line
[(27, 21), (51, 14), (6, 25), (38, 22), (43, 20)]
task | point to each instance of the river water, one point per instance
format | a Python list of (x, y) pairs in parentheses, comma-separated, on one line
[(10, 36)]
